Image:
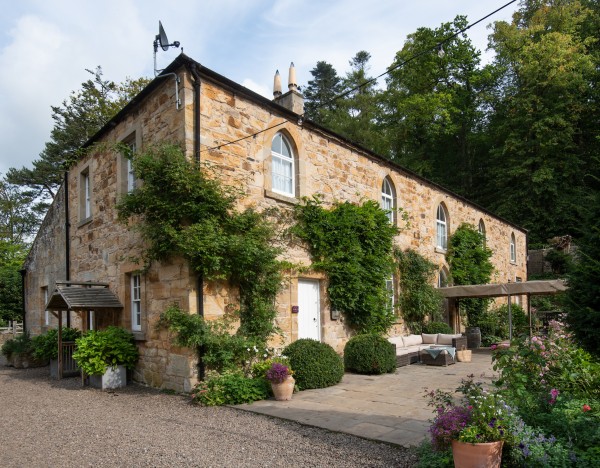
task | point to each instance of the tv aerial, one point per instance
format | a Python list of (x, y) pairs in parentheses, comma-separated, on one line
[(161, 40)]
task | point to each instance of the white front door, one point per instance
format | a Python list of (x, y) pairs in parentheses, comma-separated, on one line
[(309, 310)]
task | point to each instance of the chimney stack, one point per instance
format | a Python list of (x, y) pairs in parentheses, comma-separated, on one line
[(277, 85), (291, 100)]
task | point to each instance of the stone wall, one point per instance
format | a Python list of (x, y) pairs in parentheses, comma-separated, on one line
[(104, 250)]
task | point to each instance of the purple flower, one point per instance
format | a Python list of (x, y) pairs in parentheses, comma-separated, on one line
[(278, 373)]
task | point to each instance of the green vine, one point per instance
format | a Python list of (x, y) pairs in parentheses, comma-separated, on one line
[(352, 244), (469, 261), (418, 299), (182, 209)]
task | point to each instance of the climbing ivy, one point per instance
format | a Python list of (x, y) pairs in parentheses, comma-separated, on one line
[(418, 299), (182, 209), (352, 244), (469, 260)]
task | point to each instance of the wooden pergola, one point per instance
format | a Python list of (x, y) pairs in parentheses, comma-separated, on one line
[(80, 297), (528, 288)]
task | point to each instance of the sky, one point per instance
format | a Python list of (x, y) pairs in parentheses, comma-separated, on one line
[(47, 45)]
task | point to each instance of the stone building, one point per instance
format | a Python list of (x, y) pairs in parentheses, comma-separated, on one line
[(285, 159)]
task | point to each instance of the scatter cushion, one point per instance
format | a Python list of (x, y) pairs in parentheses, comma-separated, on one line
[(412, 340), (429, 338), (445, 339)]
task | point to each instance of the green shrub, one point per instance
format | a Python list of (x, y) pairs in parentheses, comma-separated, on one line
[(369, 354), (46, 346), (230, 388), (437, 327), (20, 345), (8, 348), (99, 349), (315, 364)]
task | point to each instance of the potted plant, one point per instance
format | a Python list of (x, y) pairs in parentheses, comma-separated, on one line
[(476, 427), (19, 352), (105, 355), (45, 347), (282, 382)]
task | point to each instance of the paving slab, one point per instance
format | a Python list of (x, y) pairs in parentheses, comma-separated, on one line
[(389, 408)]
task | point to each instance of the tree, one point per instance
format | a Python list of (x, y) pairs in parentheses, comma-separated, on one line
[(358, 116), (433, 106), (545, 118), (319, 103), (76, 120), (17, 226), (583, 295)]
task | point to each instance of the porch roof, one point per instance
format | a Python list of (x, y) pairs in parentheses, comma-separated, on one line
[(83, 296), (539, 287)]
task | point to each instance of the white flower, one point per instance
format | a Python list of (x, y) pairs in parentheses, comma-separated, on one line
[(264, 355)]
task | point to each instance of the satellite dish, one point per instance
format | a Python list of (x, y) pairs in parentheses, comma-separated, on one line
[(162, 37)]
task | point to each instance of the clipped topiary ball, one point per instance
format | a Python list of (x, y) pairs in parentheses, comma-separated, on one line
[(315, 364), (369, 354)]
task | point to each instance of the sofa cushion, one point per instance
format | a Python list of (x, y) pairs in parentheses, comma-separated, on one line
[(429, 338), (412, 340), (446, 339), (397, 340)]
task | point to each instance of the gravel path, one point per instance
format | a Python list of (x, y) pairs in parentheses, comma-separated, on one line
[(44, 422)]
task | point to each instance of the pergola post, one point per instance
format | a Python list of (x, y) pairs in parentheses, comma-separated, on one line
[(60, 353)]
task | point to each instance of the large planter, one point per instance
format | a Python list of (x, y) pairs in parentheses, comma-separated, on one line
[(112, 378), (483, 455), (283, 391)]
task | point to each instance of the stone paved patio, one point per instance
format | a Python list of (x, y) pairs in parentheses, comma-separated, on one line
[(388, 408)]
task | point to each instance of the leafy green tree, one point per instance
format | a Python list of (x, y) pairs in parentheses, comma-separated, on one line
[(17, 226), (583, 295), (76, 120), (432, 107), (544, 124)]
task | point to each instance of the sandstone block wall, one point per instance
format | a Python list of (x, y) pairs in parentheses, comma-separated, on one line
[(104, 250)]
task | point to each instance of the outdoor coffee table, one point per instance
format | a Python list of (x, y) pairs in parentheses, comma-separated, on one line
[(435, 356)]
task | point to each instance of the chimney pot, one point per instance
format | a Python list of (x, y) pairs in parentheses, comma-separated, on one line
[(277, 85)]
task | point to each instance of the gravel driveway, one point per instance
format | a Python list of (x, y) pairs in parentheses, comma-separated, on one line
[(44, 422)]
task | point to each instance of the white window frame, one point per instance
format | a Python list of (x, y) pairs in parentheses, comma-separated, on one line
[(46, 311), (481, 229), (388, 199), (389, 286), (136, 302), (131, 180), (87, 195), (441, 234), (513, 249), (282, 181)]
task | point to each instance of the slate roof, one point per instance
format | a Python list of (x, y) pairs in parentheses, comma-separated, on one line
[(81, 296)]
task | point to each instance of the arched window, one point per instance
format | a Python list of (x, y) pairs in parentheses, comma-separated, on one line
[(283, 174), (442, 227), (388, 198), (482, 230), (513, 248)]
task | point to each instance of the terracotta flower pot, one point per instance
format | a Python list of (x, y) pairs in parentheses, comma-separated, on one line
[(483, 455), (283, 391)]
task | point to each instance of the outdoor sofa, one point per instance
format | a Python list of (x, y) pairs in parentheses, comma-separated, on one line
[(408, 348)]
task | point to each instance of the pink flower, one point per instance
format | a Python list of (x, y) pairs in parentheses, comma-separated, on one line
[(554, 393), (493, 347), (586, 408)]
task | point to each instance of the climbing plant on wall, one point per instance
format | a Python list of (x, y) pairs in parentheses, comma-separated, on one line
[(352, 244), (469, 260), (418, 300), (182, 209)]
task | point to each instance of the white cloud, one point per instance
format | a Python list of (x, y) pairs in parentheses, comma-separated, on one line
[(49, 44)]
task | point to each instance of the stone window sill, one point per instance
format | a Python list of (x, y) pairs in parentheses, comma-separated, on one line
[(139, 336), (85, 221), (281, 198), (441, 251)]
